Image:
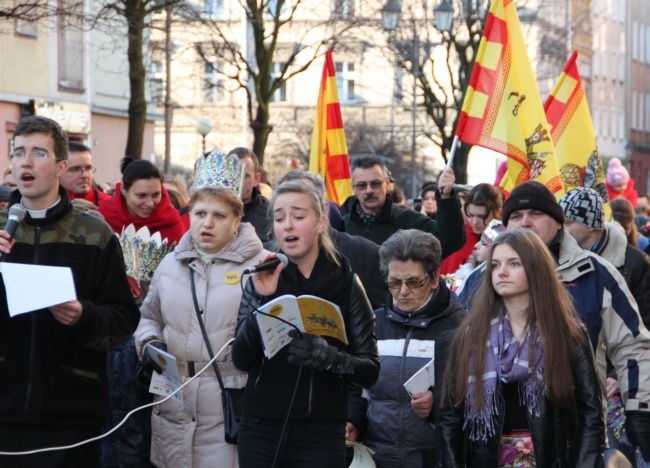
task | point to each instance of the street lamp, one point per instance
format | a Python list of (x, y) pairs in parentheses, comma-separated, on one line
[(390, 16), (203, 126)]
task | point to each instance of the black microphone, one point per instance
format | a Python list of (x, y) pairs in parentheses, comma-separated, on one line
[(16, 214), (279, 258)]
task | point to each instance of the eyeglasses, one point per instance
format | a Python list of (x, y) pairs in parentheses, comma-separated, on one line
[(364, 185), (34, 154), (79, 169), (410, 284)]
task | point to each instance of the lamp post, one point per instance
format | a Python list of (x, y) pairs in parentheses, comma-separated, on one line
[(203, 126), (390, 18)]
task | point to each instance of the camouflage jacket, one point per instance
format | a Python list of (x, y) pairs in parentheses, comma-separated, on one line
[(56, 374)]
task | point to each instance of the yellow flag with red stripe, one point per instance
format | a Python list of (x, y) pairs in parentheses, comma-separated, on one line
[(573, 135), (329, 149), (502, 109)]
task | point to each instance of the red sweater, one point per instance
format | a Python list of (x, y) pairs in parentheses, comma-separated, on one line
[(94, 196), (164, 218), (454, 261)]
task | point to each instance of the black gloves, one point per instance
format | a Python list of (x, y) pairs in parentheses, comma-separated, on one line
[(637, 426), (149, 365), (311, 351)]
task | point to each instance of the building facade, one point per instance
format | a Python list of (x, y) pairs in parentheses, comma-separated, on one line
[(77, 76)]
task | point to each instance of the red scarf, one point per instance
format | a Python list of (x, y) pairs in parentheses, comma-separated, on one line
[(455, 260), (164, 218)]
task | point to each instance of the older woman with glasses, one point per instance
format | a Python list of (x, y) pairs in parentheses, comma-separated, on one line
[(415, 326)]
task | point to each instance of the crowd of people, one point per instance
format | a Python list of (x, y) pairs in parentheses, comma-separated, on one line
[(483, 330)]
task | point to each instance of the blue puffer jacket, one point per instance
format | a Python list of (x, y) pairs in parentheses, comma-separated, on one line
[(406, 343)]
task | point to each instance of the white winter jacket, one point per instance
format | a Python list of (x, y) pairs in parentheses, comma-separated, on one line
[(192, 435)]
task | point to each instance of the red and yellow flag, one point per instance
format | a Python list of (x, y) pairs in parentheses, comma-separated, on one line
[(572, 133), (329, 150), (502, 109)]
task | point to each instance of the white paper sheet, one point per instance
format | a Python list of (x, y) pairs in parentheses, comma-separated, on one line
[(33, 287), (170, 380), (422, 379)]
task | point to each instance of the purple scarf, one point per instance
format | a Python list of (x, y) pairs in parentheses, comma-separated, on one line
[(510, 362)]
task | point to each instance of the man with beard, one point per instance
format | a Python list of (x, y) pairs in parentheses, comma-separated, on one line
[(374, 216)]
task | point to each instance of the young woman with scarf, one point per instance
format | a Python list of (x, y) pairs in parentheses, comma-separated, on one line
[(294, 408), (530, 397), (140, 199)]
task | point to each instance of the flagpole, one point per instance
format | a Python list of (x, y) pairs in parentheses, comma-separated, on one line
[(454, 145)]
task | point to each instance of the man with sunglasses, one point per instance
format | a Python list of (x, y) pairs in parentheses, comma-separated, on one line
[(374, 216), (78, 178)]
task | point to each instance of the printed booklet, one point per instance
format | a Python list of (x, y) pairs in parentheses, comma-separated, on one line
[(310, 314)]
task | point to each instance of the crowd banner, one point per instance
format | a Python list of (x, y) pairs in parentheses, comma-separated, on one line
[(573, 135), (502, 109), (329, 150)]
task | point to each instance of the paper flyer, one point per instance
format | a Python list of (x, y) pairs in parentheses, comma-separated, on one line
[(170, 380), (422, 380)]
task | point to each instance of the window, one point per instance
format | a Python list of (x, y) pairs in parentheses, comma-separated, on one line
[(71, 49), (641, 42), (272, 7), (23, 26), (647, 112), (214, 88), (213, 7), (345, 80), (635, 40), (343, 8), (621, 124), (280, 94), (633, 124), (641, 123), (157, 83)]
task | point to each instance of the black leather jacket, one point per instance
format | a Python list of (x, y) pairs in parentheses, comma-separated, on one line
[(320, 394), (562, 437)]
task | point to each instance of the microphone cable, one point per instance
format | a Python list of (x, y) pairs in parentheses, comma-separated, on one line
[(149, 405), (295, 389)]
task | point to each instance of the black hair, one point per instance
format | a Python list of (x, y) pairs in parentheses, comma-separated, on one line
[(75, 146), (133, 170)]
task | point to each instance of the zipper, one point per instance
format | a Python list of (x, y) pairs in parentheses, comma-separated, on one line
[(311, 392), (401, 392), (32, 333)]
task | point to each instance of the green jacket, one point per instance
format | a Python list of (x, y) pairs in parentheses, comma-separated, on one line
[(393, 218)]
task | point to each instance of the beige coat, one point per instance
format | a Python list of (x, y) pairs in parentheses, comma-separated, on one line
[(192, 435)]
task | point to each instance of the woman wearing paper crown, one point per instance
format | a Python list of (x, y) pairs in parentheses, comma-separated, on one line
[(520, 388), (413, 328), (140, 199), (305, 384), (194, 297)]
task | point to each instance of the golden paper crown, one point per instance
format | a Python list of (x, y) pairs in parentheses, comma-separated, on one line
[(217, 170), (143, 252)]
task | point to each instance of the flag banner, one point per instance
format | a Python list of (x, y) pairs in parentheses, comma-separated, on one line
[(573, 135), (329, 150), (502, 109)]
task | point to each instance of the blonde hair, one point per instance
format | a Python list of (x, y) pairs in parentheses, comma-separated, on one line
[(318, 204), (221, 194)]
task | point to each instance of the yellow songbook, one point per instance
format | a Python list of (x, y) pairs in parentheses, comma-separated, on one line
[(310, 314)]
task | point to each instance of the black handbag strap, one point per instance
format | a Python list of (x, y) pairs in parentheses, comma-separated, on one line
[(205, 333)]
